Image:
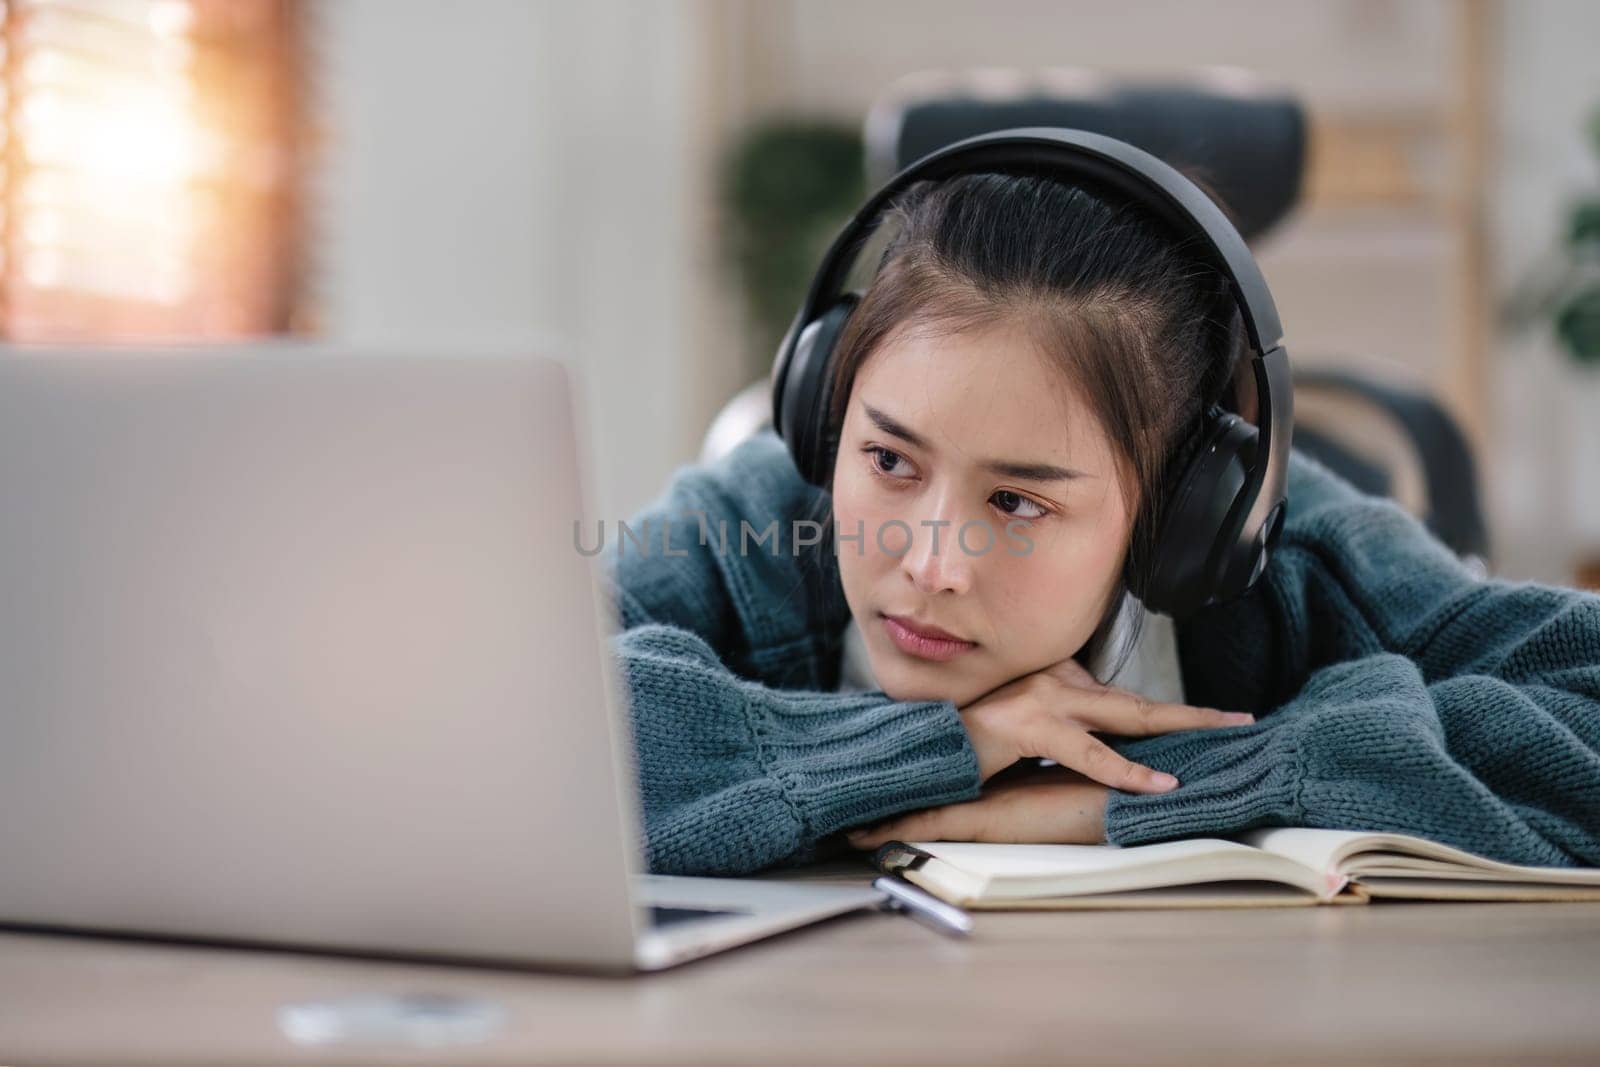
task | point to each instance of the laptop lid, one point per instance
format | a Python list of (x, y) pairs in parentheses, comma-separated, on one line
[(296, 646)]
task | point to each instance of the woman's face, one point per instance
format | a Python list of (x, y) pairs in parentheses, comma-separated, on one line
[(973, 439)]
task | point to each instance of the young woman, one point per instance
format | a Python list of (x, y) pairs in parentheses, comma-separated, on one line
[(1032, 360)]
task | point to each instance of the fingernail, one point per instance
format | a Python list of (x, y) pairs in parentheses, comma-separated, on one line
[(1241, 716), (1165, 781)]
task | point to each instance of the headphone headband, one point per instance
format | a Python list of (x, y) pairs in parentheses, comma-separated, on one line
[(1116, 165)]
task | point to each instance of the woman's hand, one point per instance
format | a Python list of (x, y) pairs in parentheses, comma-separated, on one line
[(1051, 712), (1051, 805)]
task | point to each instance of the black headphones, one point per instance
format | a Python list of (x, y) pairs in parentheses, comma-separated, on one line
[(1226, 508)]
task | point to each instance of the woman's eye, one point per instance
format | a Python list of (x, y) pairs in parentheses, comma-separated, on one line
[(1016, 504), (888, 462)]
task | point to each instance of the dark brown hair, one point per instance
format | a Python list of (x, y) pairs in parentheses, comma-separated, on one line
[(1142, 328)]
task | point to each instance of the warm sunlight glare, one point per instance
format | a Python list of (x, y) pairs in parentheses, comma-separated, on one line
[(111, 161)]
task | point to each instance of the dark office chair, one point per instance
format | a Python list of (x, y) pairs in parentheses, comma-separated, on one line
[(1246, 139), (1348, 419), (1242, 136)]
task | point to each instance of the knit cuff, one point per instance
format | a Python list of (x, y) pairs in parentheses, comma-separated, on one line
[(843, 761), (1229, 779)]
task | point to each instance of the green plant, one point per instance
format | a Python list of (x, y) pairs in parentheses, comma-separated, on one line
[(1563, 290), (787, 187)]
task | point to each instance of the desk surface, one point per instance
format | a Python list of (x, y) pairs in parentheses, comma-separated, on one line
[(1391, 983)]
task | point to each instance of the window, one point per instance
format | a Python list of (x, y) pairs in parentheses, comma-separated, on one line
[(152, 156)]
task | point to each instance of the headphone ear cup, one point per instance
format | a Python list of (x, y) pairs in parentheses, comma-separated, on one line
[(1193, 552), (807, 391)]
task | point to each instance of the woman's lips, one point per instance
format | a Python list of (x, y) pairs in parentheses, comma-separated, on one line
[(921, 643)]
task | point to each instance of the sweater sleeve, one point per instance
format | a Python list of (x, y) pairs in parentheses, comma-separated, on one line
[(1395, 692), (736, 775)]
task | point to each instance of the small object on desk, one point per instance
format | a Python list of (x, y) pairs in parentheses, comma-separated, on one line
[(427, 1020), (924, 907)]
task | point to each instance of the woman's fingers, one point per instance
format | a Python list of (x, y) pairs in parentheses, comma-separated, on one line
[(1094, 758), (1063, 734), (1048, 714), (1119, 711)]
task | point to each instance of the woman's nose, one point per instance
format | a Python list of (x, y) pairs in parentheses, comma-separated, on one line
[(935, 562)]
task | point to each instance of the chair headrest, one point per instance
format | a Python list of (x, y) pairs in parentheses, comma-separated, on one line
[(1245, 137)]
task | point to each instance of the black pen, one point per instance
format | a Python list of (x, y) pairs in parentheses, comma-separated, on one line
[(924, 906)]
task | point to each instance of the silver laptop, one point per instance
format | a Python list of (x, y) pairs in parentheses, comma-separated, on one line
[(296, 648)]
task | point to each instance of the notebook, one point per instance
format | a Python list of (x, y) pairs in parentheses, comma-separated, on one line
[(1271, 867)]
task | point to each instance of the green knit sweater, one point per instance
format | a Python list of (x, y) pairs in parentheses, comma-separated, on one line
[(1393, 689)]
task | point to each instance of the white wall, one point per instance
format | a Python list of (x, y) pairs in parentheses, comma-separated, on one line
[(507, 174), (1547, 413), (1396, 48)]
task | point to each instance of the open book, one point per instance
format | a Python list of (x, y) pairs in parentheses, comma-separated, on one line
[(1260, 868)]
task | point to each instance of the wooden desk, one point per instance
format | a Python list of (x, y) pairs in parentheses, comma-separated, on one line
[(1389, 983)]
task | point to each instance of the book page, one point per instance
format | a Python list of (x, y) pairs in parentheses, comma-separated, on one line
[(1321, 850), (993, 860), (1202, 895), (988, 870), (1367, 865), (1495, 890), (1355, 853)]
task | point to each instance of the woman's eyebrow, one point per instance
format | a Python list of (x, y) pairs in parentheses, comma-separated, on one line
[(1033, 472)]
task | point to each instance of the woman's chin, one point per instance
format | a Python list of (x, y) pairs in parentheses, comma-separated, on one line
[(900, 687)]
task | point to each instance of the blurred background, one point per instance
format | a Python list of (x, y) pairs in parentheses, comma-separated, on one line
[(643, 188)]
